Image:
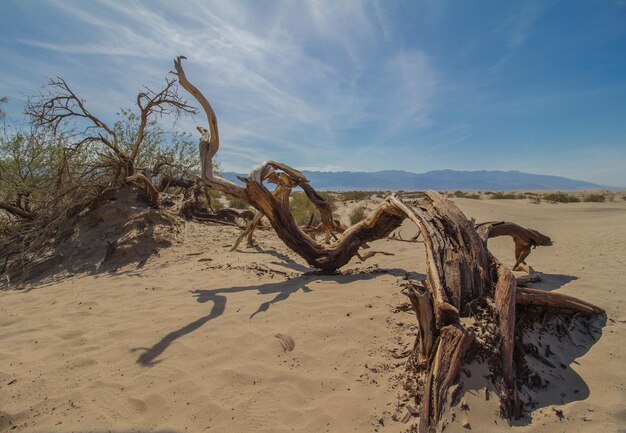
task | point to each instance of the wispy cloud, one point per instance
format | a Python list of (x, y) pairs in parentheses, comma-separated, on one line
[(520, 25), (318, 83), (276, 79)]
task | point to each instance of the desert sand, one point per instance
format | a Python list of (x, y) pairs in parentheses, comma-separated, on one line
[(185, 342)]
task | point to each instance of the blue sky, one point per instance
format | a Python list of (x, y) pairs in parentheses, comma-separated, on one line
[(341, 85)]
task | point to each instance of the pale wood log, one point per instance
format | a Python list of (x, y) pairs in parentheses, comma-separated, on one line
[(555, 301), (505, 317), (422, 303), (524, 238), (457, 260), (452, 345)]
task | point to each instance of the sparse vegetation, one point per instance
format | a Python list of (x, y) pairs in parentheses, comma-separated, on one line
[(301, 207), (461, 194), (358, 214), (216, 202), (236, 203), (560, 197), (354, 195), (594, 198), (507, 196)]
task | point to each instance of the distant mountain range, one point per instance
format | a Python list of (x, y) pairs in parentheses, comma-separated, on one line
[(394, 180)]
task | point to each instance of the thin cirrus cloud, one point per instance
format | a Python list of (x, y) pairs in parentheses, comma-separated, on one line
[(348, 85)]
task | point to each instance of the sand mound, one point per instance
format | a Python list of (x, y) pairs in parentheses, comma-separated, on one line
[(120, 232)]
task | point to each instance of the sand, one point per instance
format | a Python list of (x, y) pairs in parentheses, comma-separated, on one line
[(186, 342)]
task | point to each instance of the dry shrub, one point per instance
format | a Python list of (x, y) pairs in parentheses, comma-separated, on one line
[(560, 197), (595, 198), (357, 214)]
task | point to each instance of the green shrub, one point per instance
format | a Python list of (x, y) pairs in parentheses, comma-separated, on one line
[(358, 214), (594, 198), (560, 197)]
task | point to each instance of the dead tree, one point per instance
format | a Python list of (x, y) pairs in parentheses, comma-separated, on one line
[(59, 106), (460, 269)]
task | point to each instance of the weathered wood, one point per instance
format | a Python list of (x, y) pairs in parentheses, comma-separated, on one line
[(422, 303), (524, 238), (460, 269), (555, 301), (452, 345), (17, 211), (505, 317), (457, 260)]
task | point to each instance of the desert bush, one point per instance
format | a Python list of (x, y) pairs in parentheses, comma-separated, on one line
[(64, 159), (357, 214), (506, 196), (354, 195), (594, 198), (301, 207), (560, 197), (535, 200), (461, 194), (236, 203)]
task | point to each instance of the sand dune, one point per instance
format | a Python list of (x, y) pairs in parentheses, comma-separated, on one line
[(187, 342)]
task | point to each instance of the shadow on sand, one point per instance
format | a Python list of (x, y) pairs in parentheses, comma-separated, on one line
[(551, 282), (282, 291), (560, 342)]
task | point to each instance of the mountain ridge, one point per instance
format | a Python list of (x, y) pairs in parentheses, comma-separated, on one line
[(394, 180)]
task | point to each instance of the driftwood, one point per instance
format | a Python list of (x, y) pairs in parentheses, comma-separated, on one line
[(524, 238), (460, 269)]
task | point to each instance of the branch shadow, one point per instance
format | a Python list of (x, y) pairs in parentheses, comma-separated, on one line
[(282, 291), (550, 282), (285, 260)]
